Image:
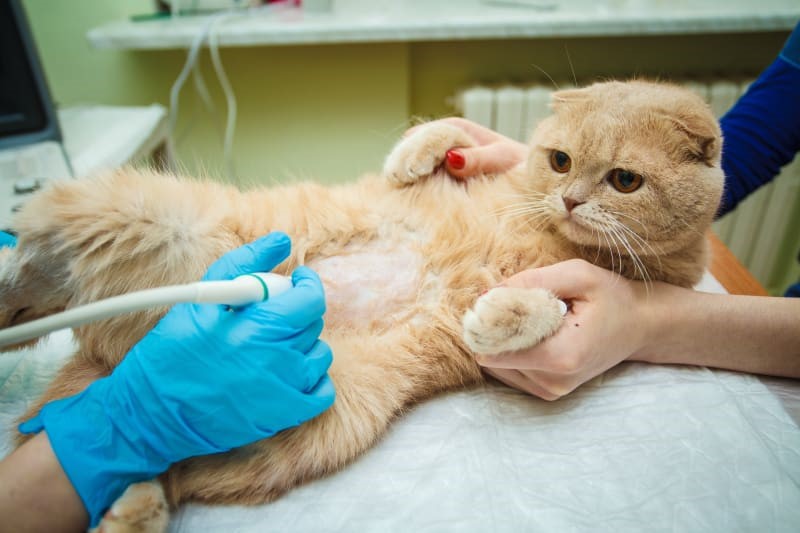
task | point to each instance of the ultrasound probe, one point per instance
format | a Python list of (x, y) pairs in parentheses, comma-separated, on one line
[(245, 289)]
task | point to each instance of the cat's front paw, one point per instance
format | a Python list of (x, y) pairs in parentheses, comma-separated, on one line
[(142, 508), (420, 154), (508, 319)]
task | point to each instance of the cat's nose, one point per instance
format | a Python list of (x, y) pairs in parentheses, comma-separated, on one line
[(571, 203)]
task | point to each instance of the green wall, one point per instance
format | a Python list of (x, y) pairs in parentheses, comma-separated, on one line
[(332, 112), (324, 112)]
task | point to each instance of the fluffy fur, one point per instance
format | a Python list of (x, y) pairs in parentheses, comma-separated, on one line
[(404, 256)]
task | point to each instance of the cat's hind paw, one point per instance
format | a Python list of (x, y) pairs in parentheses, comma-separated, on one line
[(142, 508), (509, 319), (420, 154)]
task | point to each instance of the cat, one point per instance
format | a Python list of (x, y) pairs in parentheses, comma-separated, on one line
[(625, 175)]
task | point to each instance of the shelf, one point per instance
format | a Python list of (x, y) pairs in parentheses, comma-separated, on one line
[(437, 20)]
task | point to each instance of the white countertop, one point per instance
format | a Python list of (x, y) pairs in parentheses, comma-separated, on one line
[(353, 21), (105, 137)]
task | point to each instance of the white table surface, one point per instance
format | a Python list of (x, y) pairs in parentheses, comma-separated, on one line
[(107, 137)]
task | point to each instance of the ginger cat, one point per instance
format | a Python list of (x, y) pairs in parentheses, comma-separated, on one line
[(623, 174)]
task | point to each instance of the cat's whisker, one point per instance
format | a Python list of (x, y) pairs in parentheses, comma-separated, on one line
[(520, 209), (614, 239), (599, 244), (638, 240), (525, 203), (532, 196), (536, 213), (642, 243), (521, 214), (639, 222), (538, 221), (543, 71), (609, 247), (544, 220), (646, 277), (571, 66), (621, 263), (617, 238), (639, 265)]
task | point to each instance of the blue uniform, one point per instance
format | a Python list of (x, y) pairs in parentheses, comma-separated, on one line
[(762, 130)]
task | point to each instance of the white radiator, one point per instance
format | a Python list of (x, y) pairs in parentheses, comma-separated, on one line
[(759, 232)]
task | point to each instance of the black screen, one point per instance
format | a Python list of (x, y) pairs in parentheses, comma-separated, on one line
[(24, 100)]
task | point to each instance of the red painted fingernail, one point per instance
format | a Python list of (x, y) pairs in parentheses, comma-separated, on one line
[(455, 159)]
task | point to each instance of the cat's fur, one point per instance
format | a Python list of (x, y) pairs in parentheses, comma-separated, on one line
[(425, 248)]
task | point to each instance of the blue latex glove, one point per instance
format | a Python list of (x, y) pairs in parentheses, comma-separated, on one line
[(204, 380), (6, 239)]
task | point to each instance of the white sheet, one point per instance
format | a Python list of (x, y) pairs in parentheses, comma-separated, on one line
[(642, 448)]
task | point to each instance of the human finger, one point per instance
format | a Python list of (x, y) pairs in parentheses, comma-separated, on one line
[(561, 353), (491, 158), (568, 279), (520, 381), (318, 361), (298, 307), (481, 134), (261, 255)]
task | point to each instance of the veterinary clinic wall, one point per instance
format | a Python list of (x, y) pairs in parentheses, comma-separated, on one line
[(332, 111), (322, 112)]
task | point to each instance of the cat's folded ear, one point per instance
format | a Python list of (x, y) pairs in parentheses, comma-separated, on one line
[(704, 134)]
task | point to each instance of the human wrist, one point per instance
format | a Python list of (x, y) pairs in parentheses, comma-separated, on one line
[(98, 453), (35, 494), (661, 316)]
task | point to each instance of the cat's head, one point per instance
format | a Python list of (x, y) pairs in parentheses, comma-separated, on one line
[(630, 166)]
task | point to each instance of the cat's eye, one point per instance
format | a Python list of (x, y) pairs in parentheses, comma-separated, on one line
[(625, 180), (560, 161)]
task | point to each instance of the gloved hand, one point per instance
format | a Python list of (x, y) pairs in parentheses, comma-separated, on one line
[(6, 239), (204, 380)]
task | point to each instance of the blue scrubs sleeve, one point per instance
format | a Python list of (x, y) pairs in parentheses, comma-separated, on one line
[(761, 132)]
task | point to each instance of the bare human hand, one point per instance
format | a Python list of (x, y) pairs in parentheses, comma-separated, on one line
[(493, 154), (600, 330)]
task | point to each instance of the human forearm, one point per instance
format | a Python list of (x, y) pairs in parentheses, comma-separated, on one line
[(36, 494), (746, 333)]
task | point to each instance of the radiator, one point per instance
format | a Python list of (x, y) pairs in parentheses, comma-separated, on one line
[(761, 231)]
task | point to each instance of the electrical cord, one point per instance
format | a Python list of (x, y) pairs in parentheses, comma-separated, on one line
[(245, 289), (209, 33)]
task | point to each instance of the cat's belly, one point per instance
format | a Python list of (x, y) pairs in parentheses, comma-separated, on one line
[(372, 287)]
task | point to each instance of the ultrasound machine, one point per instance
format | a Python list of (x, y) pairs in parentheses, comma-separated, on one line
[(31, 147)]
